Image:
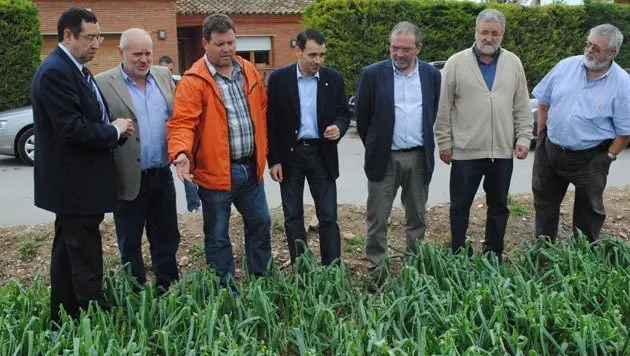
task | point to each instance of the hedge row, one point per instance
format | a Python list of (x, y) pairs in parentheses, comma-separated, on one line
[(358, 30), (20, 45)]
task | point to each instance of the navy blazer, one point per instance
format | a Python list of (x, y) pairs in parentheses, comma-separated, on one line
[(74, 164), (375, 114), (283, 115)]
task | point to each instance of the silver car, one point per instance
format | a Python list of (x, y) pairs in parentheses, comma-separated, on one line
[(17, 137)]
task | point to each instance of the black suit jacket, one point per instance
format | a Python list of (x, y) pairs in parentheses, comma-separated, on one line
[(74, 164), (375, 114), (283, 115)]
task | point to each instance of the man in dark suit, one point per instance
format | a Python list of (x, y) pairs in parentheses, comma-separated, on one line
[(303, 133), (74, 170), (137, 90), (395, 108)]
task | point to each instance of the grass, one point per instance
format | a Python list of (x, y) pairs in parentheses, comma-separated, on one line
[(569, 298), (516, 208), (277, 225), (196, 253), (28, 249), (353, 244)]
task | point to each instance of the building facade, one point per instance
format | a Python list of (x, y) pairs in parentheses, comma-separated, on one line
[(266, 30)]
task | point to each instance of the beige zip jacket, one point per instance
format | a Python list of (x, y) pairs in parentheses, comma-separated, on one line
[(478, 123)]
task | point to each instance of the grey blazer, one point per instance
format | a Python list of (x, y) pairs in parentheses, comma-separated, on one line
[(116, 94)]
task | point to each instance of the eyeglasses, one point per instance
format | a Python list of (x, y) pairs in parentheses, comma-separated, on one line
[(493, 34), (403, 50), (91, 39), (596, 48)]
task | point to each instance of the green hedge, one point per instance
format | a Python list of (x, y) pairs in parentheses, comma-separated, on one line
[(20, 46), (358, 31)]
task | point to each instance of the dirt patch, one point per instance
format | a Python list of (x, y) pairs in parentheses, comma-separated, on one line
[(25, 250)]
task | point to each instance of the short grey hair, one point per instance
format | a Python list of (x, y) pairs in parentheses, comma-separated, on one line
[(491, 15), (615, 37), (407, 27), (124, 38)]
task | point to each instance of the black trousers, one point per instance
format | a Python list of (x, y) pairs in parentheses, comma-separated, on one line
[(465, 179), (76, 265), (554, 169), (154, 208), (309, 164)]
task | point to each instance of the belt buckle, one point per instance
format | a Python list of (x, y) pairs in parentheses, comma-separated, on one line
[(305, 143)]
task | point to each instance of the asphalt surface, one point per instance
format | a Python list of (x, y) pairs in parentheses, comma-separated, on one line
[(16, 184)]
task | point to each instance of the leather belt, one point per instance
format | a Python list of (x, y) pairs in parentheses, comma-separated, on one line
[(411, 149), (602, 146), (243, 160), (154, 171), (309, 141)]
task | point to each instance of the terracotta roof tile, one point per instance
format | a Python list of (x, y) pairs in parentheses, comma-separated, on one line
[(242, 7)]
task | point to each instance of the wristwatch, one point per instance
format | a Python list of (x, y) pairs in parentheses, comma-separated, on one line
[(611, 156)]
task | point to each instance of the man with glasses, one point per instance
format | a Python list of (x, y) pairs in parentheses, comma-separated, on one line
[(74, 168), (484, 120), (583, 124), (395, 108)]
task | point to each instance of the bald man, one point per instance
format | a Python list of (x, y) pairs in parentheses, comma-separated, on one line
[(144, 93)]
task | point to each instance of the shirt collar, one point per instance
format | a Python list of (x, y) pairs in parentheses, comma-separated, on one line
[(128, 79), (213, 70), (397, 72), (478, 55), (300, 75), (74, 60)]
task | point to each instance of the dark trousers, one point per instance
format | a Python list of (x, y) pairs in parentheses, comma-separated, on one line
[(155, 208), (248, 196), (465, 179), (310, 164), (76, 265), (554, 169)]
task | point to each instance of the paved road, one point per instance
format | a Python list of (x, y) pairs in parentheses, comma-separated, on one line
[(16, 184)]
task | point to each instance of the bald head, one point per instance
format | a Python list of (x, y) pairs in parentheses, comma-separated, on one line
[(136, 53)]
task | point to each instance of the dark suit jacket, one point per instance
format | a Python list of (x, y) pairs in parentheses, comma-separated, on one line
[(375, 114), (283, 115), (74, 164)]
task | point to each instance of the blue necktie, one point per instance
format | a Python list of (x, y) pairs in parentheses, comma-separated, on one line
[(88, 78)]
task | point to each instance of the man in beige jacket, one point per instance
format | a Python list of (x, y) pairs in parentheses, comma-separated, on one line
[(484, 119)]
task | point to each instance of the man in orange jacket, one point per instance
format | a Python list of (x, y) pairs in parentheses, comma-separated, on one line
[(217, 138)]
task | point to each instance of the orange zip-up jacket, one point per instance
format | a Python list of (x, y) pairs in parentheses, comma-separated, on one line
[(199, 126)]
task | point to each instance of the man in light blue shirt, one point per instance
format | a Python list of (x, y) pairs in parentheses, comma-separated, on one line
[(138, 90), (583, 124)]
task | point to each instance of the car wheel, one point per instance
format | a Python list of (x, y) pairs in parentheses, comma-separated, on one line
[(26, 146)]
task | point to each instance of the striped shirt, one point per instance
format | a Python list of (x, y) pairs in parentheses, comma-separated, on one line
[(240, 126)]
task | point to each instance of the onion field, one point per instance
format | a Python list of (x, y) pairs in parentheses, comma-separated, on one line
[(567, 298)]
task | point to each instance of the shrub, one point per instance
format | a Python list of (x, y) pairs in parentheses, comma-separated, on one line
[(20, 46), (358, 31)]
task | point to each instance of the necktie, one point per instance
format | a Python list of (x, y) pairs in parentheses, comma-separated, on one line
[(89, 79)]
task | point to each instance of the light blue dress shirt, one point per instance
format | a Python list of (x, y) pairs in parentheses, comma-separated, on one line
[(307, 90), (152, 113), (408, 110), (104, 115), (583, 113)]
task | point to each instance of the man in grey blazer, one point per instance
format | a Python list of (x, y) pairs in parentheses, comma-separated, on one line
[(135, 89)]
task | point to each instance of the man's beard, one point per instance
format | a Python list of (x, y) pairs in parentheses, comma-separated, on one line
[(590, 61)]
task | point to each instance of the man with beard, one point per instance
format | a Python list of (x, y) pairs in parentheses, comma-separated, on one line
[(583, 124), (483, 121), (146, 195), (395, 109)]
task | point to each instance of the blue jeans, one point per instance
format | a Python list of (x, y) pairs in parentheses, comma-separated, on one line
[(192, 196), (310, 165), (248, 196), (154, 207)]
